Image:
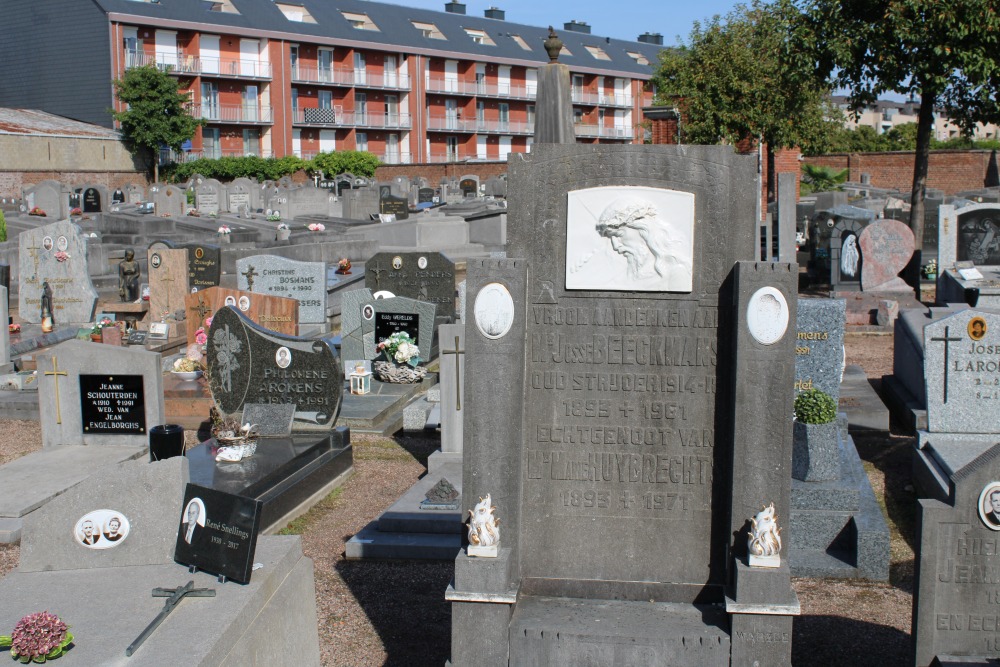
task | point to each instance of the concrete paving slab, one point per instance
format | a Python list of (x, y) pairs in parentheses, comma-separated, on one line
[(865, 410)]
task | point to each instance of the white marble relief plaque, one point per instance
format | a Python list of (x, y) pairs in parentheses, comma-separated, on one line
[(101, 529), (767, 315), (630, 239), (494, 311)]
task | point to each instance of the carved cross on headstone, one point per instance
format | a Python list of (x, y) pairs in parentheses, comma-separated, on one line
[(203, 310), (250, 274), (378, 271), (55, 373), (946, 340), (168, 279), (174, 595), (458, 373), (33, 253)]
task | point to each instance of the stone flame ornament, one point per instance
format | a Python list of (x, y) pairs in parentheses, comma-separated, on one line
[(764, 541), (484, 529)]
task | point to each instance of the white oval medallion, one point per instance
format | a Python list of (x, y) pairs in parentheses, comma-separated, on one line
[(767, 316), (101, 529), (989, 505), (494, 310)]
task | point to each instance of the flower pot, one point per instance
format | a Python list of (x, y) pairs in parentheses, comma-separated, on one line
[(223, 238), (96, 337), (815, 452), (283, 234)]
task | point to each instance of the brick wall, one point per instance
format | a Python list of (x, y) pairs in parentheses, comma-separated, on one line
[(948, 171), (11, 182), (434, 172)]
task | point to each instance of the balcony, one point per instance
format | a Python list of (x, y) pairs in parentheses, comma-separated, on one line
[(594, 99), (452, 156), (590, 131), (233, 113), (338, 118), (350, 77), (187, 64), (167, 155), (449, 124), (481, 89)]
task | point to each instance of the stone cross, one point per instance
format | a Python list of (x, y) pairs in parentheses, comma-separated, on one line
[(56, 373), (33, 251), (378, 271), (458, 374), (168, 279), (175, 595), (946, 340), (203, 310), (250, 274)]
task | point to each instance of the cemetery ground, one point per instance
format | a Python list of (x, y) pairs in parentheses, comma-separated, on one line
[(394, 612)]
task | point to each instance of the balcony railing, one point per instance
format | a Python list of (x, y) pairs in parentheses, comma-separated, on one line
[(588, 130), (188, 64), (338, 118), (592, 98), (456, 87), (167, 155), (232, 113), (350, 77), (449, 124), (450, 156)]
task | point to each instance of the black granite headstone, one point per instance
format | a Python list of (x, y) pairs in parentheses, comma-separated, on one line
[(425, 195), (218, 532), (204, 262), (250, 364), (979, 236), (469, 187), (137, 338), (387, 324), (424, 276), (397, 206), (113, 404), (118, 197), (91, 200)]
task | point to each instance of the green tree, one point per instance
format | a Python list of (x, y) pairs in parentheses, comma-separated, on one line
[(156, 114), (359, 163), (816, 178), (734, 80), (945, 51)]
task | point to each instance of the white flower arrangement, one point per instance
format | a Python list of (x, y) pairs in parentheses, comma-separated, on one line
[(224, 229), (399, 347)]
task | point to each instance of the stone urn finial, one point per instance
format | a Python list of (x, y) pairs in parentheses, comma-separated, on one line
[(553, 45)]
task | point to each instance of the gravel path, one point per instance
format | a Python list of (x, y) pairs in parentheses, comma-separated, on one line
[(394, 613)]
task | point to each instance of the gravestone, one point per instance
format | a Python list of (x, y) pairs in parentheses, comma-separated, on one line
[(118, 196), (955, 597), (207, 197), (250, 364), (168, 281), (616, 420), (819, 345), (238, 193), (886, 246), (204, 262), (99, 395), (46, 196), (271, 312), (218, 532), (93, 199), (846, 258), (277, 276), (425, 195), (424, 276), (55, 254), (495, 187), (134, 193), (168, 200), (389, 204), (452, 355), (365, 321), (469, 185)]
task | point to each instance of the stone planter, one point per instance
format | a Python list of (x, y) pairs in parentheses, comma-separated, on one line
[(815, 452), (223, 238), (283, 234)]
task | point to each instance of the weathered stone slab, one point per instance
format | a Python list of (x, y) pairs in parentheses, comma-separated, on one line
[(886, 246), (424, 276), (277, 276), (55, 254), (819, 345), (960, 370), (271, 312), (249, 364)]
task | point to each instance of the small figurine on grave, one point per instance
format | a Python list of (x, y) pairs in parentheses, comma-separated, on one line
[(48, 321), (129, 273), (484, 529), (764, 540)]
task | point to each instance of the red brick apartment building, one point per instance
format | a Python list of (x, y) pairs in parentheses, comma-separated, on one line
[(296, 77)]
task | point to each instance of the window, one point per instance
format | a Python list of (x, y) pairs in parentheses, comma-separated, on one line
[(325, 99), (360, 69), (209, 100), (452, 148), (361, 108), (293, 57), (251, 141), (225, 6), (565, 51), (638, 58), (597, 52), (360, 21), (504, 117), (324, 60), (361, 139), (210, 142), (480, 36), (520, 42), (428, 30), (295, 12)]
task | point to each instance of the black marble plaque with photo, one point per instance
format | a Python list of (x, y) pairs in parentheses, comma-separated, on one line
[(387, 324), (218, 532), (397, 206), (112, 404)]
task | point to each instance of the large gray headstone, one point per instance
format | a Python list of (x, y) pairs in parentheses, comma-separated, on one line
[(46, 196), (99, 394), (207, 197), (146, 495), (365, 319), (975, 232), (278, 276), (57, 254), (204, 262), (819, 345), (961, 367), (424, 276), (955, 602), (168, 200), (250, 364)]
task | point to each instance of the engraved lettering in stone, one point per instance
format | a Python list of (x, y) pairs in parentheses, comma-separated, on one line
[(619, 467), (627, 349)]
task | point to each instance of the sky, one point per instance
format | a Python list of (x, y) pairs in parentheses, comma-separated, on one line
[(673, 20)]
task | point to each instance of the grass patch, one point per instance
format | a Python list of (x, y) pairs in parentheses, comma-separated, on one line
[(300, 524)]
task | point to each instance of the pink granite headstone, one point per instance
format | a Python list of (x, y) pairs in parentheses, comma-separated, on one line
[(886, 249)]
